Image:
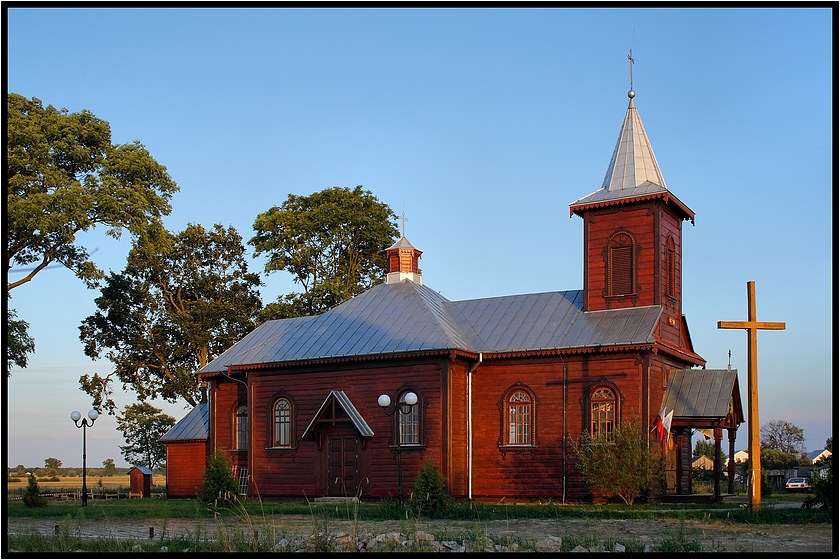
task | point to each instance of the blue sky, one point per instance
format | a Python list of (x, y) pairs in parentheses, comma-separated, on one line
[(482, 125)]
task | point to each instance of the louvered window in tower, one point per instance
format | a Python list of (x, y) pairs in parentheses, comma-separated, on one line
[(620, 269), (671, 267)]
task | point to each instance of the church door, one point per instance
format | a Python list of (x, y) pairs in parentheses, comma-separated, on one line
[(342, 464)]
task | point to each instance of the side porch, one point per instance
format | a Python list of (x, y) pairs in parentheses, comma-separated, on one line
[(705, 401)]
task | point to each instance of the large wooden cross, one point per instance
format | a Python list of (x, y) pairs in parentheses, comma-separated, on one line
[(751, 325)]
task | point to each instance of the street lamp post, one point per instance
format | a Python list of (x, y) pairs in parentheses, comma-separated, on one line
[(409, 400), (82, 423)]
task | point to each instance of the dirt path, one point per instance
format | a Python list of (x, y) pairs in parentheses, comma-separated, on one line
[(713, 536)]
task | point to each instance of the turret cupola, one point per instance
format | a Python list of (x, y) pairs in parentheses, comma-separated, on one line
[(403, 260)]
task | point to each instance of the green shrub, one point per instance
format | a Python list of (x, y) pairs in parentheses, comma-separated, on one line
[(218, 481), (622, 463), (822, 485), (766, 484), (429, 496), (32, 496)]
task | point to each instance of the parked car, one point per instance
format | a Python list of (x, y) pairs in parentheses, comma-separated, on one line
[(797, 485)]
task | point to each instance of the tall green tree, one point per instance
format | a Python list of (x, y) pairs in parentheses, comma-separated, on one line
[(182, 300), (52, 463), (142, 425), (332, 242), (703, 447), (64, 177), (783, 436), (772, 458), (18, 342), (622, 463), (109, 467)]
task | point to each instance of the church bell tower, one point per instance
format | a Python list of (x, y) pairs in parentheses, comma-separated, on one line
[(632, 231)]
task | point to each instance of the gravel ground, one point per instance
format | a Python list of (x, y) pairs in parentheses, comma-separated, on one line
[(714, 536)]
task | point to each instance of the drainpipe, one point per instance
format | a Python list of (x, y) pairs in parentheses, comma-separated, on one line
[(565, 384), (469, 425)]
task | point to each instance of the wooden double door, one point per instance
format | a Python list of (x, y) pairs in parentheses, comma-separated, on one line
[(343, 463)]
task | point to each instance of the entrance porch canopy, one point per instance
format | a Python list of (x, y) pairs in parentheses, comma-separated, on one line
[(703, 399)]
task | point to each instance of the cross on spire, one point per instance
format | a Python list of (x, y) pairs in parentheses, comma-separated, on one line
[(404, 220), (632, 62), (752, 326)]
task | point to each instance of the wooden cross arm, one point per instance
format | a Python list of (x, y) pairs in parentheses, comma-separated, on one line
[(764, 325)]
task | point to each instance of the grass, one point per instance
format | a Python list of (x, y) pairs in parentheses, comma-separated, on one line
[(386, 510)]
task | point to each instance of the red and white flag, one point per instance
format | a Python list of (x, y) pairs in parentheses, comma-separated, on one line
[(662, 425), (666, 424), (659, 426)]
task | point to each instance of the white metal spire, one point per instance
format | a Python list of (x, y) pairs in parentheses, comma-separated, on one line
[(633, 163)]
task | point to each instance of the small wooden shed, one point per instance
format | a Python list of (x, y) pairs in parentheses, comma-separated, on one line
[(186, 452), (140, 482)]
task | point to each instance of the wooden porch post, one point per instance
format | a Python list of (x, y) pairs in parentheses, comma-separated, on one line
[(718, 435), (731, 467)]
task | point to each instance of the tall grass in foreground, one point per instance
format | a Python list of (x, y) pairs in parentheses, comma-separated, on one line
[(243, 540)]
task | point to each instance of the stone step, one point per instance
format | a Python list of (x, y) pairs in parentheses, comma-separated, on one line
[(733, 499), (337, 500)]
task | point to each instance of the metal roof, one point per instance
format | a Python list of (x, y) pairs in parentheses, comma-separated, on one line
[(402, 243), (409, 317), (701, 393), (193, 426), (144, 470), (347, 405), (633, 171)]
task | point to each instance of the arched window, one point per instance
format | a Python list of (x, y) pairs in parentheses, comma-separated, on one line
[(408, 424), (620, 264), (670, 267), (518, 417), (282, 423), (241, 428), (602, 411)]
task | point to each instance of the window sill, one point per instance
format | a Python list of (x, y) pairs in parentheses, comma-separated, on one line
[(281, 449), (408, 446), (517, 448)]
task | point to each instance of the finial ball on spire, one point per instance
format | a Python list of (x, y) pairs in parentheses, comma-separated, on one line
[(631, 94)]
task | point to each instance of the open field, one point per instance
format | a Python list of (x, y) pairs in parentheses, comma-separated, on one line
[(111, 486), (75, 482)]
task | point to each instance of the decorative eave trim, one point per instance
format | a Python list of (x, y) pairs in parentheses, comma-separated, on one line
[(453, 353), (657, 347), (667, 197), (663, 347), (701, 422), (568, 351)]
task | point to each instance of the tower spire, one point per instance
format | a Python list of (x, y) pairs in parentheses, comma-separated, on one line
[(631, 94)]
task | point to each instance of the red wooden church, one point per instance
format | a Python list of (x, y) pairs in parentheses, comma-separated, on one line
[(500, 382)]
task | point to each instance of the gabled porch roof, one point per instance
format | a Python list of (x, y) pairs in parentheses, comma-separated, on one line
[(327, 410), (704, 398)]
